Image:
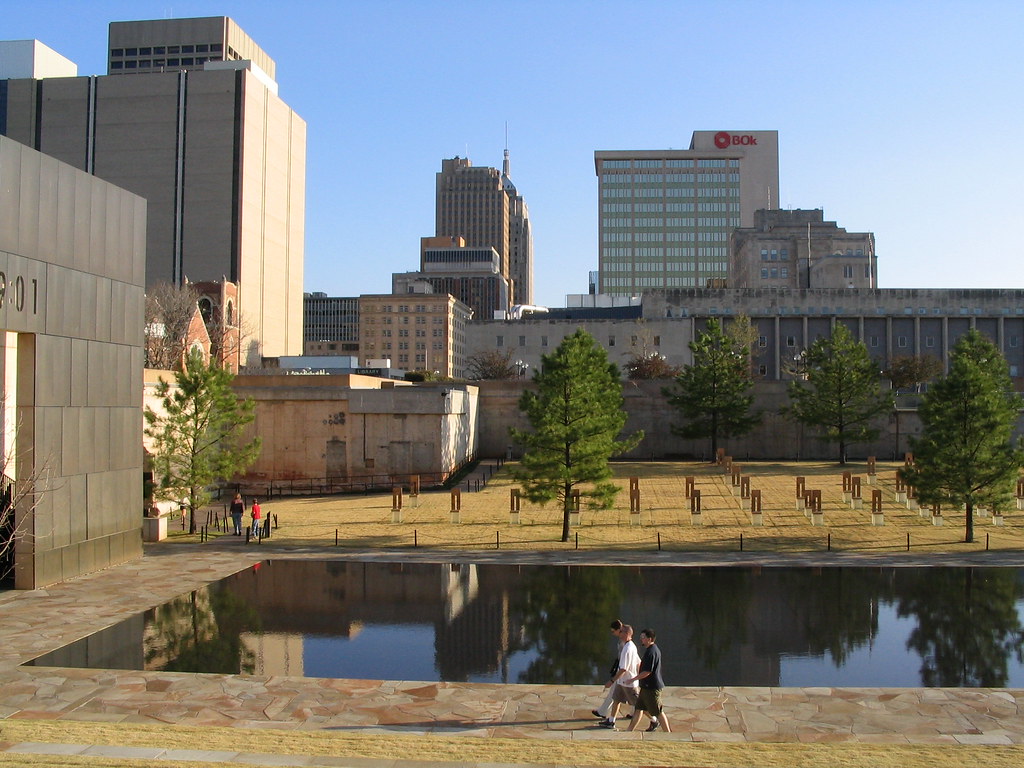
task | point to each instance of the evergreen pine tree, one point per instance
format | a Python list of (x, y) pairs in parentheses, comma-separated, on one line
[(576, 415), (713, 393), (197, 437), (965, 455), (842, 394)]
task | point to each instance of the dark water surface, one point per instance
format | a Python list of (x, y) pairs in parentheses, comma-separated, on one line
[(548, 624)]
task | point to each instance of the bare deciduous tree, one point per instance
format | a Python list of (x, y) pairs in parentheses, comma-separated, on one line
[(491, 364), (169, 311), (18, 500)]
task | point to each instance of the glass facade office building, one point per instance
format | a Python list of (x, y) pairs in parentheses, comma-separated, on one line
[(665, 216)]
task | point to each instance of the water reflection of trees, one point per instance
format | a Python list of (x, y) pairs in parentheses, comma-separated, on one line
[(716, 606), (778, 611), (202, 632), (967, 623), (838, 608), (564, 613)]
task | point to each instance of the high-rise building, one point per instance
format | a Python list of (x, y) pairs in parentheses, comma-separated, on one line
[(177, 44), (421, 332), (520, 241), (471, 275), (665, 216), (799, 249), (330, 324), (219, 157), (483, 206)]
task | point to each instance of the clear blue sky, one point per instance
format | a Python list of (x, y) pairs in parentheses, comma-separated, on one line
[(900, 118)]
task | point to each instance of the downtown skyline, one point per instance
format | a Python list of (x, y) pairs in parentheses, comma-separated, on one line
[(899, 119)]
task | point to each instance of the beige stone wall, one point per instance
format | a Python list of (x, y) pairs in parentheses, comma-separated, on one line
[(775, 438), (353, 426), (72, 256)]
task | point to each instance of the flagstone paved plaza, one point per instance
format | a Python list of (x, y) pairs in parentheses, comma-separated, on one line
[(38, 621)]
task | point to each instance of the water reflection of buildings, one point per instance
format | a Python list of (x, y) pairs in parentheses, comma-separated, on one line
[(298, 599), (716, 626)]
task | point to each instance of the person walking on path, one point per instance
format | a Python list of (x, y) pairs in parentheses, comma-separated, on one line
[(651, 685), (606, 705), (237, 511), (623, 686)]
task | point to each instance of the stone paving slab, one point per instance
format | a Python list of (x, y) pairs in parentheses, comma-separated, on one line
[(35, 622)]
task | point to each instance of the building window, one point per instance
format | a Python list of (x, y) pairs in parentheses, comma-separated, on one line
[(611, 341), (764, 272), (873, 340), (762, 370), (543, 341), (791, 341), (1014, 340), (657, 341), (762, 341), (848, 270), (929, 341), (901, 341), (522, 341), (783, 271), (500, 341)]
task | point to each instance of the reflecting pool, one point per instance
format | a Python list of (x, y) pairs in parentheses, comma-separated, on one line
[(549, 624)]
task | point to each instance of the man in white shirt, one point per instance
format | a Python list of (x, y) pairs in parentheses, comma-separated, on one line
[(629, 666)]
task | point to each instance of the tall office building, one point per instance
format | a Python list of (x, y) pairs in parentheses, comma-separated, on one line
[(331, 324), (420, 332), (471, 275), (177, 44), (219, 157), (665, 216), (483, 206)]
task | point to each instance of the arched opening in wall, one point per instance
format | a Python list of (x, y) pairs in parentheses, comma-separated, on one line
[(229, 314), (206, 308), (8, 451)]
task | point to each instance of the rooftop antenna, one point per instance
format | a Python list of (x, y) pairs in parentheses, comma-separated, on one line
[(505, 163), (871, 260)]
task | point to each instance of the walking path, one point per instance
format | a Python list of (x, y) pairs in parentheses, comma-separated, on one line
[(38, 621)]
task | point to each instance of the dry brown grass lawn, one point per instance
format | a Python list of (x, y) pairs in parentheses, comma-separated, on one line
[(366, 520), (438, 748)]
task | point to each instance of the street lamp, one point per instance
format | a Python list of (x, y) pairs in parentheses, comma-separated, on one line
[(521, 367)]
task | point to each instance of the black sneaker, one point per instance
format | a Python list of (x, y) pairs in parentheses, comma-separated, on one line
[(628, 716), (652, 727), (606, 723), (595, 713)]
